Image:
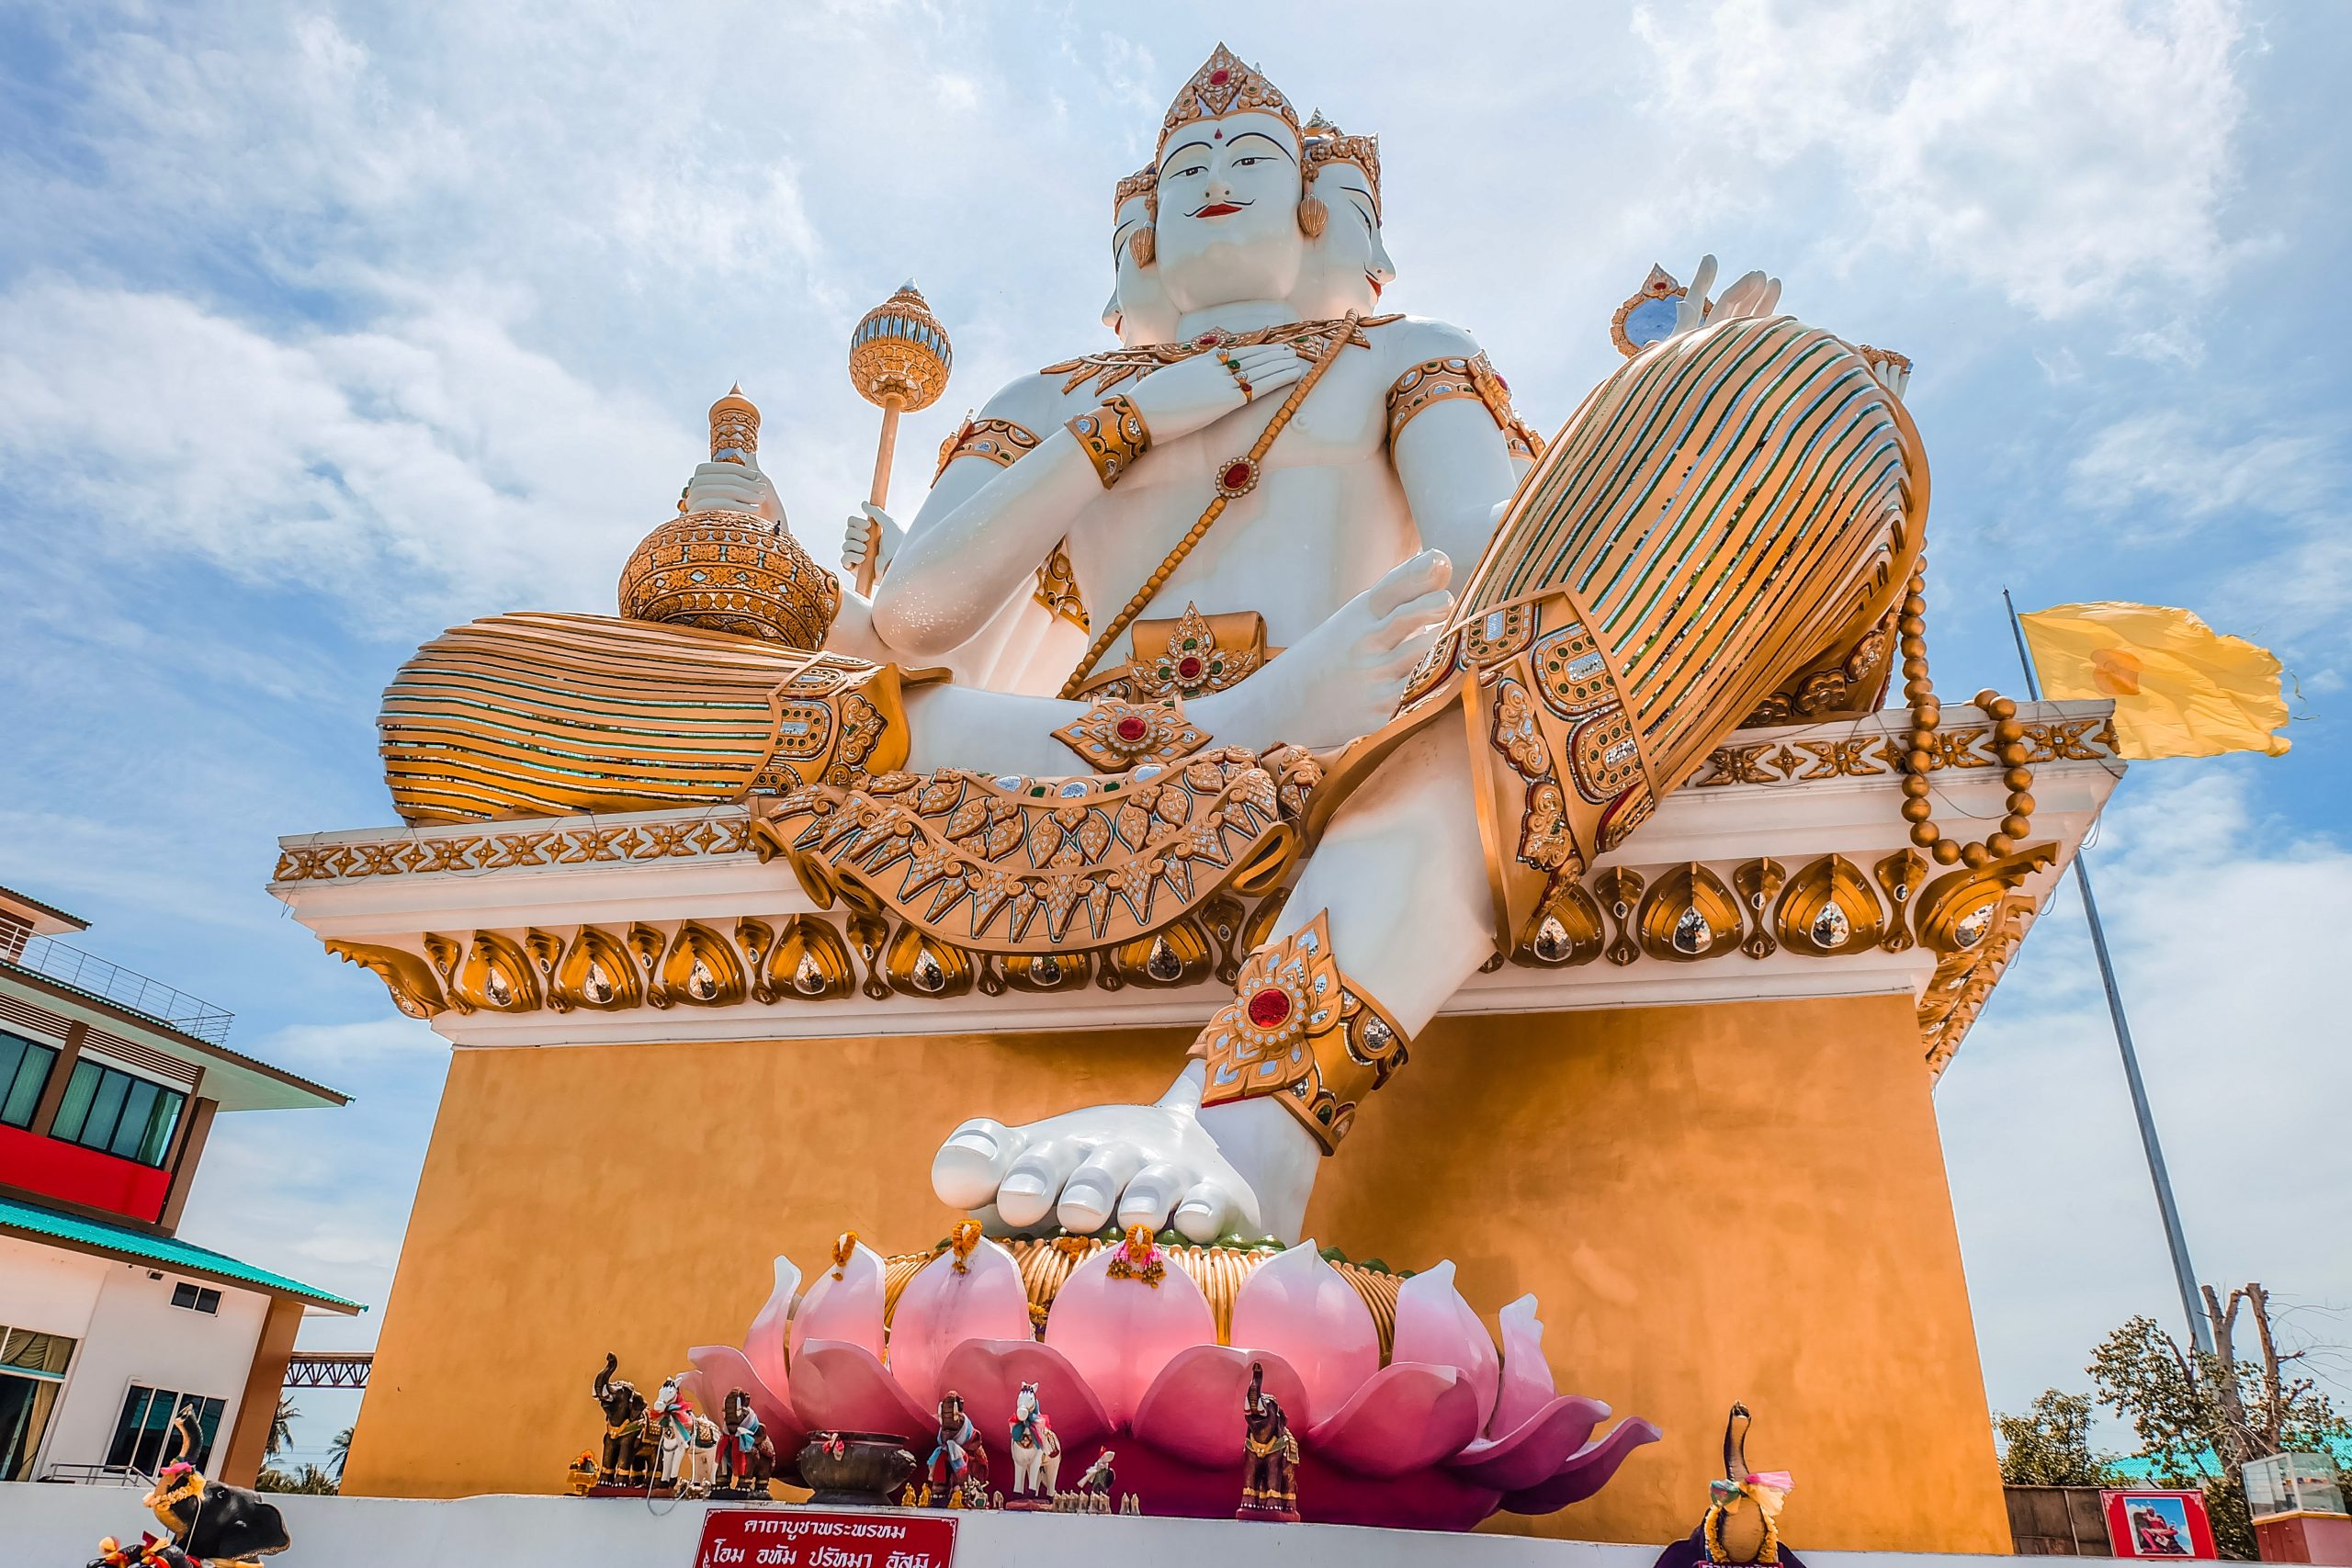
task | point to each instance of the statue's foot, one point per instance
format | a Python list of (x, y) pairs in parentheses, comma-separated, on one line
[(1245, 1167)]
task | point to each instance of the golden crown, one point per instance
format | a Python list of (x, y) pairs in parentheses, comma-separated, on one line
[(1225, 86), (1326, 143)]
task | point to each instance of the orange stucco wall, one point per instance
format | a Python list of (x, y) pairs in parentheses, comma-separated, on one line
[(1734, 1201)]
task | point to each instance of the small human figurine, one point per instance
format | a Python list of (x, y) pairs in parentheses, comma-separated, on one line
[(746, 1454), (957, 1474), (624, 1409), (1095, 1484), (1270, 1457), (1036, 1453)]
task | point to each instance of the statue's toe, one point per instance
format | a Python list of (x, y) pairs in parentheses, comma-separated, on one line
[(1152, 1194), (1092, 1194), (1033, 1184), (1207, 1211), (973, 1161)]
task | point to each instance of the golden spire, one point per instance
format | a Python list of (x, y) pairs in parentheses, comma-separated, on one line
[(734, 428)]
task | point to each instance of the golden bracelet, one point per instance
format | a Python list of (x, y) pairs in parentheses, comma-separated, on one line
[(1113, 436)]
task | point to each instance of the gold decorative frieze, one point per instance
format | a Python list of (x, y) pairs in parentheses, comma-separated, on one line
[(722, 833), (1872, 752), (1826, 908)]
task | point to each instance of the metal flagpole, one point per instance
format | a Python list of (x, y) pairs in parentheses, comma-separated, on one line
[(2184, 1273)]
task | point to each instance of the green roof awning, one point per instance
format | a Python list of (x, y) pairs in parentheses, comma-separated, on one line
[(120, 1241)]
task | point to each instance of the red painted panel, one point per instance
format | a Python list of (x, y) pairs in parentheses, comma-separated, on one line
[(59, 1170)]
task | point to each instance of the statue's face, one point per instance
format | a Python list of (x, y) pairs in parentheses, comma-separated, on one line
[(1345, 267), (1229, 213), (1138, 309)]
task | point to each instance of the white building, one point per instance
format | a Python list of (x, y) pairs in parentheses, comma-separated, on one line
[(109, 1323)]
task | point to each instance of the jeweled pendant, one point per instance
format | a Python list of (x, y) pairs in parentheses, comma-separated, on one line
[(1831, 928), (1552, 941), (1691, 934), (1161, 963)]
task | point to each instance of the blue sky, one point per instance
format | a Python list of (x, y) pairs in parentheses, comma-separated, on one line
[(322, 328)]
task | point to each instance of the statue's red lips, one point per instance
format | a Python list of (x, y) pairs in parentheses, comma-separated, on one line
[(1219, 210)]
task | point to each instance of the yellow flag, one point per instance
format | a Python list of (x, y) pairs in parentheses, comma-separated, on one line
[(2180, 688)]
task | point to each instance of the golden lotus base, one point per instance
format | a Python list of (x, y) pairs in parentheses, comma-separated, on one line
[(1735, 1202)]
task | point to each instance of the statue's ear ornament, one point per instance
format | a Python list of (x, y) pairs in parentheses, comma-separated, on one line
[(1144, 246), (1312, 215)]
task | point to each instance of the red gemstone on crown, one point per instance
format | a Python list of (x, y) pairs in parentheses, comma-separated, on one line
[(1218, 78), (1187, 669), (1131, 729), (1267, 1008), (1236, 474)]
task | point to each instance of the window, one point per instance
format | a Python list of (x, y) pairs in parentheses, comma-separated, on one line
[(196, 1298), (24, 1073), (145, 1430), (105, 1108), (32, 1369)]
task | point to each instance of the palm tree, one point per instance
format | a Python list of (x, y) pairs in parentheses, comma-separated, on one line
[(281, 1427), (339, 1452)]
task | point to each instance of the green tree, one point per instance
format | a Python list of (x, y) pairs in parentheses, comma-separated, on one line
[(2050, 1445), (339, 1452), (2199, 1416), (308, 1479), (282, 1427)]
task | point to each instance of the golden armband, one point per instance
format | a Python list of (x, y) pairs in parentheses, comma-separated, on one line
[(1298, 1031), (1113, 436), (1115, 734), (1435, 381), (998, 441)]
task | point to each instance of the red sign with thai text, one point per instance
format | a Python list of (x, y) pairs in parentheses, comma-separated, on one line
[(818, 1538)]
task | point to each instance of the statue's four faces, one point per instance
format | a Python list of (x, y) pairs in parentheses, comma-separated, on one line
[(1139, 310), (1228, 225), (1346, 266)]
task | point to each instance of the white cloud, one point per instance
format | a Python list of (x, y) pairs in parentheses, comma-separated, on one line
[(2218, 924), (2067, 154), (430, 456), (2172, 470)]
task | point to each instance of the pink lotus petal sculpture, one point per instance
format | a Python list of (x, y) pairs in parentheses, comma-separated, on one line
[(1447, 1431)]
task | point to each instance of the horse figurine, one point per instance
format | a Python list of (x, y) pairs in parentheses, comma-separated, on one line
[(624, 1408), (1036, 1452), (673, 1414), (1270, 1457), (956, 1475)]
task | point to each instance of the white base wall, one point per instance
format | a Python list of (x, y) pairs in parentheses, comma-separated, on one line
[(126, 1331), (58, 1526)]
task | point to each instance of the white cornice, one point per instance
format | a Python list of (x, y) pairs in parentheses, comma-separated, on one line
[(1772, 793)]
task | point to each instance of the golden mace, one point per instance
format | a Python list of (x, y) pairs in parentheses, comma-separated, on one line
[(899, 358)]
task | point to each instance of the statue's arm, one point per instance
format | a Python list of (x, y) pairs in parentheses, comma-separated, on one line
[(1449, 440), (946, 583), (980, 534)]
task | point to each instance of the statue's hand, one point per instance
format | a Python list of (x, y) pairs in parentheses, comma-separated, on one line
[(733, 487), (1193, 394), (1247, 1167), (1345, 678), (871, 528), (1753, 295)]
